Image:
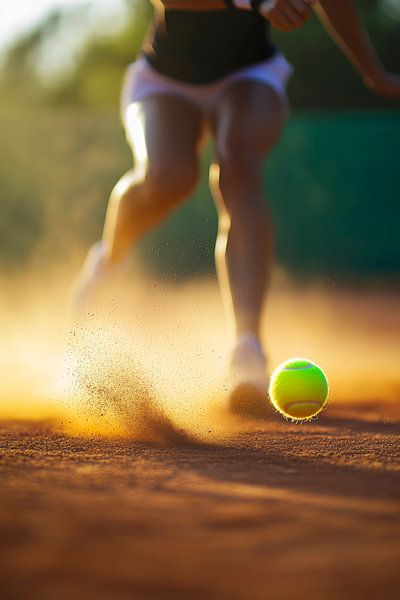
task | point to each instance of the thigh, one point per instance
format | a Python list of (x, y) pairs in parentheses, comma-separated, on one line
[(248, 120), (163, 128)]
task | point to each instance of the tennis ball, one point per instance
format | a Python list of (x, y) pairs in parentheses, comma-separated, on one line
[(298, 389)]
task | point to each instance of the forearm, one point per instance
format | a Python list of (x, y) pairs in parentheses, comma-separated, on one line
[(342, 22)]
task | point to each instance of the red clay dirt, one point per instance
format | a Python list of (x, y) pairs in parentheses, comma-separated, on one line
[(277, 511)]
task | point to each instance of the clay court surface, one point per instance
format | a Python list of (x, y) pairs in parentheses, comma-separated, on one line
[(224, 509), (274, 511)]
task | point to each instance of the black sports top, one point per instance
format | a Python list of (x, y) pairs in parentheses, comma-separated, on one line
[(200, 47)]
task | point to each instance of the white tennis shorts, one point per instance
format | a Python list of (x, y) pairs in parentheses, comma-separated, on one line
[(143, 81)]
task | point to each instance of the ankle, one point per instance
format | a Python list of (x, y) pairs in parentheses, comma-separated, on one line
[(248, 338)]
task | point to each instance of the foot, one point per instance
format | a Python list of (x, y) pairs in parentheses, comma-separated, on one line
[(91, 279), (248, 379)]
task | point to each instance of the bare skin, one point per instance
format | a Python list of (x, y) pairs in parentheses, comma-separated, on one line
[(247, 124), (166, 170), (166, 134), (343, 24)]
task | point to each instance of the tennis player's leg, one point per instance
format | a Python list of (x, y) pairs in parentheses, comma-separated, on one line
[(247, 122), (164, 133)]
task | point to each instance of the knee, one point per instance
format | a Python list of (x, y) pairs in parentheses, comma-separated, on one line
[(158, 186), (241, 153), (171, 181)]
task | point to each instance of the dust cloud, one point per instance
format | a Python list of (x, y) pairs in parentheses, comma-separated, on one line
[(150, 363)]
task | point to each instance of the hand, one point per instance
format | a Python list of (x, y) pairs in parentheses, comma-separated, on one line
[(286, 15), (385, 84)]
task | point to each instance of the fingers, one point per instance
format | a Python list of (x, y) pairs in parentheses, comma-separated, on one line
[(287, 15), (302, 7), (295, 12), (388, 85)]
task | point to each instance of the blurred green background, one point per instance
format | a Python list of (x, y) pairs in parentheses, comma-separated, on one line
[(333, 180)]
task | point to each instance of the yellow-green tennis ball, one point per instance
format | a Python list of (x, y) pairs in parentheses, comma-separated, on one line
[(298, 389)]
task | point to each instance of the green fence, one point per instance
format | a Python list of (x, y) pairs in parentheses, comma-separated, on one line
[(334, 186)]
